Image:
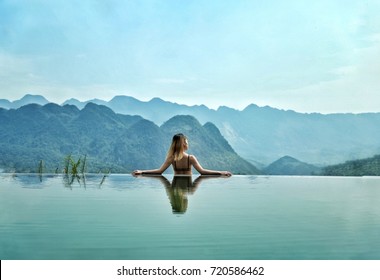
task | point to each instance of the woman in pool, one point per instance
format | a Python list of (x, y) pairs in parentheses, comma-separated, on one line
[(181, 161)]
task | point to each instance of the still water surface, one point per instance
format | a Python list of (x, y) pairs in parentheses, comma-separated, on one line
[(242, 217)]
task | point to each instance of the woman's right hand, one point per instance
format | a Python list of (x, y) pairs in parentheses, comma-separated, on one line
[(226, 173)]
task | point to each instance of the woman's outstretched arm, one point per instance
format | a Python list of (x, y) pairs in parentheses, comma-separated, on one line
[(160, 170), (203, 171)]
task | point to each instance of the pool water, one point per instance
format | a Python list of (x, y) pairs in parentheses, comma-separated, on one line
[(166, 217)]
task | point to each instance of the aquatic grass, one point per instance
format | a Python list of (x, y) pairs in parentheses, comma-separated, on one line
[(66, 164), (75, 169), (40, 169), (74, 166), (83, 167), (104, 178)]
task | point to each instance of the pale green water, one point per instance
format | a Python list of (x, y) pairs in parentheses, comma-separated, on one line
[(242, 217)]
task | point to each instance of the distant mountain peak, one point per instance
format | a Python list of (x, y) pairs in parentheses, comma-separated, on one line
[(29, 106), (288, 158), (226, 108), (157, 99), (288, 165), (251, 107), (123, 98), (33, 98), (96, 100), (25, 100), (90, 106), (184, 119), (28, 95), (72, 100)]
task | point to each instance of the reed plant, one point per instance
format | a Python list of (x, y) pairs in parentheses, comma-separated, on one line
[(76, 170), (75, 167), (104, 178), (40, 169)]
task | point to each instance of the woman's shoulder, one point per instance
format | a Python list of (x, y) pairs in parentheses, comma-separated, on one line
[(170, 158), (192, 157)]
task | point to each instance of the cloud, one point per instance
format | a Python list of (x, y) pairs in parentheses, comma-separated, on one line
[(356, 88), (16, 71), (11, 64)]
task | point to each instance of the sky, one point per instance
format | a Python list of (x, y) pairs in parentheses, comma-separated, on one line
[(308, 56)]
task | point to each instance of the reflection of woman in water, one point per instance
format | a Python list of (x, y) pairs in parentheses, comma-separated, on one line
[(178, 191), (181, 161)]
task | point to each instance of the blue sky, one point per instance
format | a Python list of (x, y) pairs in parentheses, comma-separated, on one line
[(308, 56)]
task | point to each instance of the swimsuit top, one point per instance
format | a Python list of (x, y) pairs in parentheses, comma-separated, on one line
[(188, 168)]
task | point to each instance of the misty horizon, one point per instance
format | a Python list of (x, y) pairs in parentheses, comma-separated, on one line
[(72, 100)]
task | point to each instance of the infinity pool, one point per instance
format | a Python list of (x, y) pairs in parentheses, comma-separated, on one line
[(242, 217)]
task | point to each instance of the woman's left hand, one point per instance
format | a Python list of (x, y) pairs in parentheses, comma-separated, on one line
[(136, 172)]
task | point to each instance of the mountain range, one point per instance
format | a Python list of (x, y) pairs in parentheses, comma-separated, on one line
[(262, 135), (116, 142), (27, 99)]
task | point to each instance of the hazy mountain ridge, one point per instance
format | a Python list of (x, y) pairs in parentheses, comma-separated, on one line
[(112, 141), (290, 166), (264, 134), (27, 99)]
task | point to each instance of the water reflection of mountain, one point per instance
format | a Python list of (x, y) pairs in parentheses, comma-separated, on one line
[(33, 181)]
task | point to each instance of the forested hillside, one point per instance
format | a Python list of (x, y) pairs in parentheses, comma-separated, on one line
[(115, 142), (362, 167), (261, 135)]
